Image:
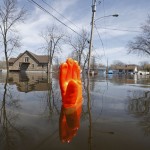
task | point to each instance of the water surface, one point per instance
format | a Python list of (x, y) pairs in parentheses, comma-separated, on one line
[(117, 116)]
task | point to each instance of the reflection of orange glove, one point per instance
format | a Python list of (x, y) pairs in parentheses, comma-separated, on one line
[(70, 82), (69, 122)]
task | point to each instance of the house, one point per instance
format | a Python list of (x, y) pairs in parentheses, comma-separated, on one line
[(98, 70), (28, 61), (125, 69), (143, 72), (101, 70)]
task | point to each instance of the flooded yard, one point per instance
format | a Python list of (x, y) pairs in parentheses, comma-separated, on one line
[(116, 117)]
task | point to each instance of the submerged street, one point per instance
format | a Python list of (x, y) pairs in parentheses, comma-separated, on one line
[(32, 117)]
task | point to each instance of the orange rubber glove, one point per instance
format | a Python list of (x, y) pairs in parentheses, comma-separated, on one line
[(69, 122), (70, 82)]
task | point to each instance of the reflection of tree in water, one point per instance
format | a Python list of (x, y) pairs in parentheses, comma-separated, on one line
[(8, 131), (139, 105), (52, 99), (12, 135)]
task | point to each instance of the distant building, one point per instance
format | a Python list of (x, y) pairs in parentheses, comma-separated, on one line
[(143, 73), (28, 61), (125, 69), (96, 71), (101, 70)]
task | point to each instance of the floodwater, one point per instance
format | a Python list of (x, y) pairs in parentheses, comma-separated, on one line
[(117, 116)]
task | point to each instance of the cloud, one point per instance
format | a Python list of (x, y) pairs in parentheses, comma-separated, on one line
[(119, 53), (110, 51), (63, 5), (31, 29), (37, 21), (131, 16)]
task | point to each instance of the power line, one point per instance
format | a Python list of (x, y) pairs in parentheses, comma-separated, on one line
[(43, 9), (97, 55), (120, 29), (100, 39)]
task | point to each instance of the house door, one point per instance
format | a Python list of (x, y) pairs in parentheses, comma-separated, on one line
[(24, 66)]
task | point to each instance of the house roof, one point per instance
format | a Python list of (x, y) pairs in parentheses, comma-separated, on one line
[(125, 67), (12, 60), (39, 58)]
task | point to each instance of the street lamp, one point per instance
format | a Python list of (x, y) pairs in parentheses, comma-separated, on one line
[(91, 36), (114, 15)]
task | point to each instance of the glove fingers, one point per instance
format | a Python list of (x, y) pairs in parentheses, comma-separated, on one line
[(62, 77)]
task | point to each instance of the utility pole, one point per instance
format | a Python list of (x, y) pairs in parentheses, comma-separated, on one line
[(88, 80), (107, 67), (91, 36), (51, 67), (49, 71)]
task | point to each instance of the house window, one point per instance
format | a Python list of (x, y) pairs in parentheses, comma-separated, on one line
[(26, 59), (10, 64), (32, 65)]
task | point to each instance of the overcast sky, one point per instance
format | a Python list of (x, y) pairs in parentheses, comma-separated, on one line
[(115, 32)]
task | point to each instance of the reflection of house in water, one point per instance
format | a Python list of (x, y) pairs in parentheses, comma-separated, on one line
[(127, 79), (27, 82), (122, 79)]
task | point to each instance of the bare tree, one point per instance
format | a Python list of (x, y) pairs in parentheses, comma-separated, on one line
[(141, 43), (93, 63), (144, 65), (117, 63), (79, 45), (10, 15), (52, 37)]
